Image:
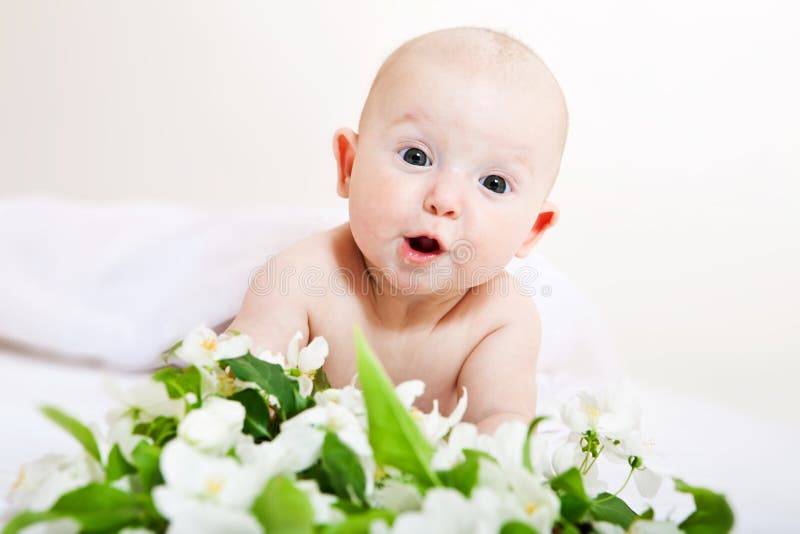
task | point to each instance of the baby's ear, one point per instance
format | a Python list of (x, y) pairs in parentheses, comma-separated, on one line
[(345, 141), (548, 216)]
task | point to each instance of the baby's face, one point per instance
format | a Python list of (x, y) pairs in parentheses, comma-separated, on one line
[(466, 159)]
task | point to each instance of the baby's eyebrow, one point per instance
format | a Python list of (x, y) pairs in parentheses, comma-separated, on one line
[(410, 116)]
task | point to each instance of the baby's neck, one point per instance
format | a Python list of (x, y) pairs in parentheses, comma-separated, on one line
[(397, 311)]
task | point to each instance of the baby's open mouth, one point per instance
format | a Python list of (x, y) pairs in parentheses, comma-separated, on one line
[(424, 244)]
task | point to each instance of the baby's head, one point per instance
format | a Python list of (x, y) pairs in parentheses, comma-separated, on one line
[(460, 140)]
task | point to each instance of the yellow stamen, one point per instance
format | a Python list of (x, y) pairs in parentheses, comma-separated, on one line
[(380, 472), (225, 385), (213, 487), (20, 477), (209, 343), (530, 509)]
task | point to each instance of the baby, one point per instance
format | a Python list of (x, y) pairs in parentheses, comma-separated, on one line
[(459, 144)]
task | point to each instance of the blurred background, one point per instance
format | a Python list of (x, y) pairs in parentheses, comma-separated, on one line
[(677, 191)]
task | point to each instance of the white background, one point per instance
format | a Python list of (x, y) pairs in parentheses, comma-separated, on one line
[(676, 192)]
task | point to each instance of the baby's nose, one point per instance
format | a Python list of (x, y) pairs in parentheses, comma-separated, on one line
[(444, 198)]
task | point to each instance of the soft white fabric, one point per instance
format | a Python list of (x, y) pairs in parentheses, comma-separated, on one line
[(122, 283)]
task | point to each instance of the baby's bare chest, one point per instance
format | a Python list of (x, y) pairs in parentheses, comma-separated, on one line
[(434, 356)]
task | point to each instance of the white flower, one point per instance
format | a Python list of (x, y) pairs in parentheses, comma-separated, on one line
[(397, 496), (40, 483), (147, 398), (654, 527), (302, 364), (444, 511), (214, 427), (449, 454), (295, 449), (648, 476), (567, 456), (337, 419), (538, 502), (334, 418), (613, 413), (202, 347), (408, 392), (206, 493), (604, 527), (120, 432), (434, 426), (349, 398), (65, 525), (507, 446), (570, 455), (321, 503)]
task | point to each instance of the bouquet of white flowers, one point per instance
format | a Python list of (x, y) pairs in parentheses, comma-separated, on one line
[(237, 442)]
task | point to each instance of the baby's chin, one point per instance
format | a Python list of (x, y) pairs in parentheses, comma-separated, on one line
[(419, 282)]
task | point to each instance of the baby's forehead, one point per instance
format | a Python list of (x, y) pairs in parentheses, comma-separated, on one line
[(452, 59)]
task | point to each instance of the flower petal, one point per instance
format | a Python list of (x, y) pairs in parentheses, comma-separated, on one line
[(293, 351), (313, 356), (409, 390)]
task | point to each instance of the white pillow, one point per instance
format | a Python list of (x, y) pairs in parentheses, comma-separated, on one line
[(121, 283)]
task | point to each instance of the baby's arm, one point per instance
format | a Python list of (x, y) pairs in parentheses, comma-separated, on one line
[(274, 308), (500, 373)]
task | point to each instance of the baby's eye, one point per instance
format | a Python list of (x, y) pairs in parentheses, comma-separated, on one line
[(415, 156), (495, 183)]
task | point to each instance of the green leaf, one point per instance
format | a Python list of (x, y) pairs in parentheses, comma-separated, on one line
[(100, 508), (117, 466), (74, 427), (463, 476), (526, 448), (25, 519), (713, 514), (179, 382), (271, 378), (321, 382), (256, 421), (317, 472), (517, 527), (160, 430), (394, 436), (612, 509), (343, 469), (359, 523), (573, 508), (648, 514), (570, 483), (282, 507), (574, 501), (146, 460)]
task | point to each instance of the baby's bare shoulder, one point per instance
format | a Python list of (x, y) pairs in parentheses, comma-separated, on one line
[(276, 302), (500, 371), (504, 300)]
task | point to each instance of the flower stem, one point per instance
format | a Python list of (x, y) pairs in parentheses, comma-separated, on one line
[(630, 474), (589, 467), (626, 481), (583, 463)]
